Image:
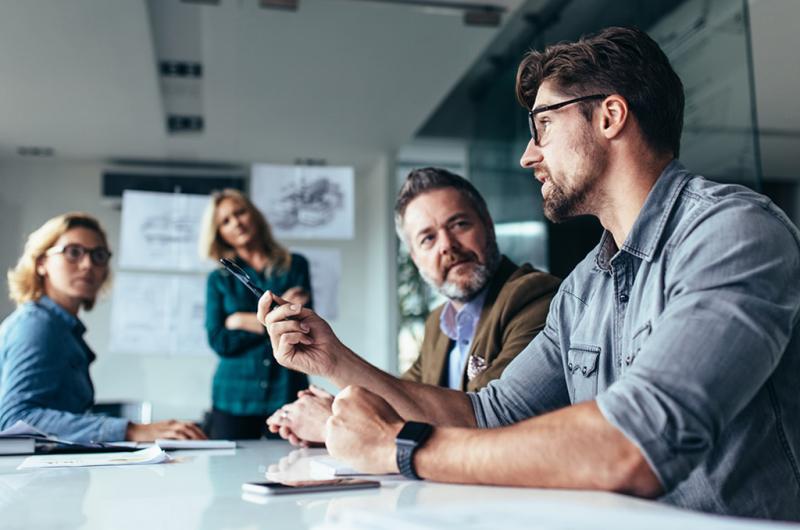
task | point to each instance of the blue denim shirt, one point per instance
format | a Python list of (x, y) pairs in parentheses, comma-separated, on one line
[(688, 340), (44, 375)]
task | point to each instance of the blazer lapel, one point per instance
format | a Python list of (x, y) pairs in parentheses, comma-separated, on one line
[(478, 358), (437, 361)]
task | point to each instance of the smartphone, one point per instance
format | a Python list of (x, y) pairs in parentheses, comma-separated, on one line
[(308, 486)]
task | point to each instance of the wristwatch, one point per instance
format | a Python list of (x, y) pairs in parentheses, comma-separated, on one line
[(409, 439)]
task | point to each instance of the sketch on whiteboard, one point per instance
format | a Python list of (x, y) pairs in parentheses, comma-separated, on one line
[(160, 231), (158, 314), (169, 228), (305, 202)]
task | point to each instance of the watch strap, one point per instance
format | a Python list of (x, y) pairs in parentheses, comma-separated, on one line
[(405, 461), (409, 439)]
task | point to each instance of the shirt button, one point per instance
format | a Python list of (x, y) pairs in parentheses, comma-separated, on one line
[(584, 370), (263, 384), (267, 362), (569, 366), (628, 359), (623, 298)]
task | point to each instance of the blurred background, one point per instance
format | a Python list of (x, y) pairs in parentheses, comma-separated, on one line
[(186, 96)]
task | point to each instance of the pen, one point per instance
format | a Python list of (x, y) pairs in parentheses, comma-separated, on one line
[(242, 276)]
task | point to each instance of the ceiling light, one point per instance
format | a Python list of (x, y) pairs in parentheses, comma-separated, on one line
[(287, 5), (475, 14), (482, 17), (35, 150)]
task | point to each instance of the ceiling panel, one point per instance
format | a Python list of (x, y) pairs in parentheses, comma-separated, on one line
[(337, 79), (78, 76)]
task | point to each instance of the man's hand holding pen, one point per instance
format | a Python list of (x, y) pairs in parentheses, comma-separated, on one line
[(301, 340)]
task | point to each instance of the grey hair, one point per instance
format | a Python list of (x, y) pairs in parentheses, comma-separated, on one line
[(424, 180)]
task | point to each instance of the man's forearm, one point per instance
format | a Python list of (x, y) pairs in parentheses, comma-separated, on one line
[(574, 447), (413, 401)]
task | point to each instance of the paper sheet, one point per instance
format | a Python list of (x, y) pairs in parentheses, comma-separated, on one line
[(325, 265), (160, 231), (152, 455), (306, 202), (20, 428), (160, 314), (325, 467), (195, 444)]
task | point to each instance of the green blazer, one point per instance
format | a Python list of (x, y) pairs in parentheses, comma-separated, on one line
[(513, 313), (248, 380)]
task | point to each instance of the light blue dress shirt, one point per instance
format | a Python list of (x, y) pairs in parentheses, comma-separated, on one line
[(688, 339), (44, 375), (460, 327)]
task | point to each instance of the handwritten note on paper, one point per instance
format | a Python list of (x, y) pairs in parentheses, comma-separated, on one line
[(151, 455)]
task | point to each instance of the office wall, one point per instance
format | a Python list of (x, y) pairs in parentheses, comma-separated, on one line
[(33, 191)]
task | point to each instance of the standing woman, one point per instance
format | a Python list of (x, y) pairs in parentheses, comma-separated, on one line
[(248, 385), (44, 361)]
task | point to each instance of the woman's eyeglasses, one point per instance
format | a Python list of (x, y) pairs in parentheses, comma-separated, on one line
[(74, 253)]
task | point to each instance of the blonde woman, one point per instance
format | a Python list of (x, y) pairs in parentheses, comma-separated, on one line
[(248, 385), (44, 361)]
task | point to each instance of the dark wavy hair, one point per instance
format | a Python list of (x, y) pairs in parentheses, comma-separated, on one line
[(617, 60)]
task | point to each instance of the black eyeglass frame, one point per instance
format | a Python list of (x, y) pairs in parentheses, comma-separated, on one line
[(555, 106), (93, 253)]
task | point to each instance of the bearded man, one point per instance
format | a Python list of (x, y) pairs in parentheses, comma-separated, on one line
[(668, 365), (494, 308)]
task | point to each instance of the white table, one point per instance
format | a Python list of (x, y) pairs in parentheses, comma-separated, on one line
[(202, 490)]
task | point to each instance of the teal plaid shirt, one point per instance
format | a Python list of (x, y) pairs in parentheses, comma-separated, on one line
[(248, 380)]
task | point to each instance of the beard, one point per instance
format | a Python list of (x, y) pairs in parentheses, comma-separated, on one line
[(478, 278), (563, 202)]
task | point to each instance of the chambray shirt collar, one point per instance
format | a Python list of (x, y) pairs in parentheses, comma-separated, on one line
[(647, 231), (461, 324), (72, 322)]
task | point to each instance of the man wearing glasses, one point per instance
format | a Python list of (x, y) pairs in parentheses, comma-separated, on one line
[(669, 361)]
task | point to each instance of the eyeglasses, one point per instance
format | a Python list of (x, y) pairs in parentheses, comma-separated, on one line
[(555, 106), (75, 253)]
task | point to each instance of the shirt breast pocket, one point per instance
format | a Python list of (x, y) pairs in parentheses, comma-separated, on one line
[(582, 360)]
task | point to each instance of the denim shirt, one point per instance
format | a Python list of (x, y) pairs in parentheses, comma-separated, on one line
[(460, 327), (44, 375), (688, 340)]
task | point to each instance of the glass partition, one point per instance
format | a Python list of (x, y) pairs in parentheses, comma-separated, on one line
[(708, 44)]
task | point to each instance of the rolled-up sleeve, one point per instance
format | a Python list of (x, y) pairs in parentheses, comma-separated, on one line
[(532, 384), (732, 299)]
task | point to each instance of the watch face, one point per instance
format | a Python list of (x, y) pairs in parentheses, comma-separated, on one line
[(414, 431)]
